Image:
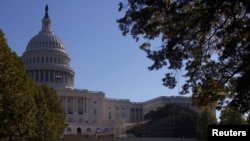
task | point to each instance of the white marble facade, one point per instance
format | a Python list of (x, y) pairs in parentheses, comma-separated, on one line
[(89, 112)]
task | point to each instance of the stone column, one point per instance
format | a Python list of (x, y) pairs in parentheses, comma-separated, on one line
[(130, 113), (53, 76), (39, 76), (44, 75), (63, 77), (82, 104), (49, 76), (36, 75), (85, 104), (76, 105), (66, 104), (67, 78), (137, 115)]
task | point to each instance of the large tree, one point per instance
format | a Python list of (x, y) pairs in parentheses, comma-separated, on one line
[(207, 39), (17, 105), (27, 111)]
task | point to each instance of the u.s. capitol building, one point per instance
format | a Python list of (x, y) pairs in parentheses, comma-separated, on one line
[(47, 62)]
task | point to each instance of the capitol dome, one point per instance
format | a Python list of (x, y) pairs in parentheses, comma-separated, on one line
[(47, 38), (46, 59)]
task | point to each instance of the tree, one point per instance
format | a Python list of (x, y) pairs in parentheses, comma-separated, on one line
[(209, 40), (43, 125), (172, 120), (186, 124), (56, 112), (206, 117), (248, 119), (231, 115), (17, 111), (27, 111), (50, 118)]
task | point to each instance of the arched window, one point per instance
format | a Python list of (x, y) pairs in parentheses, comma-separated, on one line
[(98, 130), (106, 129), (69, 129), (88, 130), (79, 130)]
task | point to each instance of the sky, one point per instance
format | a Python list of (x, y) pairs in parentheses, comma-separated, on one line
[(102, 58)]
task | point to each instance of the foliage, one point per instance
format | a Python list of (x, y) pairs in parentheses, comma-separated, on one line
[(171, 120), (231, 115), (170, 109), (50, 116), (206, 117), (57, 114), (17, 111), (27, 111), (207, 39), (185, 124), (248, 119), (43, 128)]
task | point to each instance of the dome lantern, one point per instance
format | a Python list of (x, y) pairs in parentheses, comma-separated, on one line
[(46, 21)]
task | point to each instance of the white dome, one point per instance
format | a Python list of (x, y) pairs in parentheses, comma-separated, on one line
[(45, 40), (46, 60)]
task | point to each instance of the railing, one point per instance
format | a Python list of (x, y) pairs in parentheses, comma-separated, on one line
[(116, 99)]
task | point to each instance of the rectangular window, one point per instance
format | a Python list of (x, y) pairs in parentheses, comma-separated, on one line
[(70, 110), (109, 115), (80, 120)]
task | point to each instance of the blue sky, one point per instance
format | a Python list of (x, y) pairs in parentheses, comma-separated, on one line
[(101, 57)]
